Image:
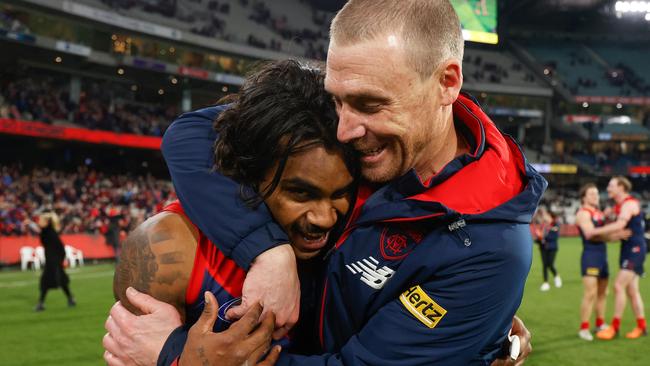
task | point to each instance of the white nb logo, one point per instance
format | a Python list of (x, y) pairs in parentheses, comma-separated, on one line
[(370, 274)]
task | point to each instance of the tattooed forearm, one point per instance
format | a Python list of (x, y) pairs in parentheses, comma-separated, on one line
[(160, 236), (157, 259), (137, 266), (172, 258)]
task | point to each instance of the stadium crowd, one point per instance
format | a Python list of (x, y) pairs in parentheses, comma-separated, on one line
[(87, 201), (210, 20), (47, 99)]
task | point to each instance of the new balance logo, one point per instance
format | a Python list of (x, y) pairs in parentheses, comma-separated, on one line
[(370, 274)]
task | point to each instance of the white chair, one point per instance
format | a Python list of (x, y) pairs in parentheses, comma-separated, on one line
[(39, 253), (74, 256), (27, 257)]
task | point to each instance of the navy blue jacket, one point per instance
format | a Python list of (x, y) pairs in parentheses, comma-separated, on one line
[(425, 272)]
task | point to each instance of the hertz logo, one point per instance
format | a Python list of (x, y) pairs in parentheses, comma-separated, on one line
[(418, 303)]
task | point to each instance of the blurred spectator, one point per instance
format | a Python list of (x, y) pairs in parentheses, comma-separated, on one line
[(86, 200), (47, 100)]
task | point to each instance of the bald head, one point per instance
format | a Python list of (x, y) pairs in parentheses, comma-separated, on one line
[(429, 29)]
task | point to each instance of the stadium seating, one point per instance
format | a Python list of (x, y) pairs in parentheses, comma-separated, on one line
[(594, 68), (496, 67), (629, 62), (103, 105), (291, 26), (86, 200)]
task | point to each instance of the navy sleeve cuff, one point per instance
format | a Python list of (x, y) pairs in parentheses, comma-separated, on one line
[(173, 347), (260, 240)]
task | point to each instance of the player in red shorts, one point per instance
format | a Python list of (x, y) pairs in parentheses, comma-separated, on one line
[(633, 252), (594, 267)]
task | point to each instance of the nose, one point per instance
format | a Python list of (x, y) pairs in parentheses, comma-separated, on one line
[(349, 127), (322, 215)]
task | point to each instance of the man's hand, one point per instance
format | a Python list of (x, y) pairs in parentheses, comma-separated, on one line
[(518, 329), (137, 340), (621, 235), (243, 343), (273, 282)]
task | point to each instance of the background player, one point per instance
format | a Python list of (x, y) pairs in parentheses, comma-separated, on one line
[(547, 237), (593, 262), (633, 252)]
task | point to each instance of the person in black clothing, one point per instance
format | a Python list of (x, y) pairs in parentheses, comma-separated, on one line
[(53, 274), (550, 233)]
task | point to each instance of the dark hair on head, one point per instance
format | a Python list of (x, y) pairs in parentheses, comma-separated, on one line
[(281, 109), (583, 190)]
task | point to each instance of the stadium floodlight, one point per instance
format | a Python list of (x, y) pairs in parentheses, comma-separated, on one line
[(647, 17), (632, 7)]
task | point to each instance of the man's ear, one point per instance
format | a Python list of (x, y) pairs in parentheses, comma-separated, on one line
[(451, 81)]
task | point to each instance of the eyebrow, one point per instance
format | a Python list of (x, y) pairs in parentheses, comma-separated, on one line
[(303, 184), (366, 97), (344, 189)]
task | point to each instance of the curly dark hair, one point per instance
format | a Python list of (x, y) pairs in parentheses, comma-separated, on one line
[(281, 109)]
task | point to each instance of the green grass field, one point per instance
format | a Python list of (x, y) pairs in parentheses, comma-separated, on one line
[(554, 317), (72, 336)]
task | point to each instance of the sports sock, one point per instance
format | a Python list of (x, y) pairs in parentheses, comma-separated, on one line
[(584, 325), (641, 323), (616, 323), (599, 322)]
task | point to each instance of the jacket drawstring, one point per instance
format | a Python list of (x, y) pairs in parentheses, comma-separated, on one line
[(457, 227)]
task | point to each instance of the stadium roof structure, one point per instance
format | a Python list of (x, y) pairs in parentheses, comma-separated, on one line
[(599, 16)]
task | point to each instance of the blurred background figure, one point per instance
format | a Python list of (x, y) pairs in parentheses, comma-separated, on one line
[(53, 275), (546, 236)]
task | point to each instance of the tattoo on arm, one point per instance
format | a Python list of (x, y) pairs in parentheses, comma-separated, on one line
[(156, 259), (159, 236), (172, 258), (137, 266)]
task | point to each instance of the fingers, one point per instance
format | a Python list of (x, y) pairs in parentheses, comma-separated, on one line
[(281, 332), (524, 356), (144, 302), (111, 346), (121, 315), (114, 330), (256, 356), (236, 312), (112, 360), (272, 357), (283, 327), (261, 336), (206, 321), (248, 322)]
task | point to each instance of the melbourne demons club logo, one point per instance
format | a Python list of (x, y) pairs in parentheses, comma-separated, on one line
[(396, 242)]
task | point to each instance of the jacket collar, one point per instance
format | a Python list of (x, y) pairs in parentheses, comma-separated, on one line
[(492, 174)]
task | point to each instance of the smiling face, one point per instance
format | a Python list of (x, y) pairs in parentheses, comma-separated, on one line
[(314, 192), (394, 118), (615, 189)]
